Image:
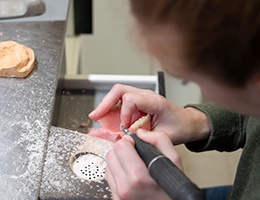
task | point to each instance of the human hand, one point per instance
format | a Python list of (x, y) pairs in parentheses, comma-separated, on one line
[(182, 125), (126, 173)]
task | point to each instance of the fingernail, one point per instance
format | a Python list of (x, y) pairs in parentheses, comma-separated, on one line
[(90, 115)]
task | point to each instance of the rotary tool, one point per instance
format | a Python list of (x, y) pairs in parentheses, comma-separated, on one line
[(171, 179)]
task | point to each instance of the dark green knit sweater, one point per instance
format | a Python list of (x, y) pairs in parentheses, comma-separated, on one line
[(230, 132)]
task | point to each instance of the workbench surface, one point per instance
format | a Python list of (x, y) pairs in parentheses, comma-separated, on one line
[(26, 106)]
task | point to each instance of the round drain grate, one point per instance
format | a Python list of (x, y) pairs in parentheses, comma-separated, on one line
[(88, 166)]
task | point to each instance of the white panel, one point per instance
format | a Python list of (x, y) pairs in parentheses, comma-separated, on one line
[(112, 48)]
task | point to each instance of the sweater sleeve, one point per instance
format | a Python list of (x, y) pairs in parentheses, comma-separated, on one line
[(227, 130)]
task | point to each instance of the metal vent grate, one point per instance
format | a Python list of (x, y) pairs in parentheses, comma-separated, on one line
[(88, 166)]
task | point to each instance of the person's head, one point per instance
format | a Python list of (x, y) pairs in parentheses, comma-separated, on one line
[(206, 41)]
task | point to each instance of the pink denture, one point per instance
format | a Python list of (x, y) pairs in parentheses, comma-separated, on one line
[(111, 125)]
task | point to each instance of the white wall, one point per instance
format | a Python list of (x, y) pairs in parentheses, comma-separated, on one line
[(111, 49)]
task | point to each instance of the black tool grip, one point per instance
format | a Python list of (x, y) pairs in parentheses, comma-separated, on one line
[(172, 180)]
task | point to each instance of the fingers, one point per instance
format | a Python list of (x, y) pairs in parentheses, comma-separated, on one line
[(111, 99), (135, 102), (126, 155), (110, 179), (162, 142), (125, 171), (135, 105), (127, 175)]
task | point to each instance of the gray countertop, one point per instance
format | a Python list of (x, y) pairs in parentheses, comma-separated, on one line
[(59, 182), (26, 107)]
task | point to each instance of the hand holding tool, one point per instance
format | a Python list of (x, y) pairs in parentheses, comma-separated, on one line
[(172, 180)]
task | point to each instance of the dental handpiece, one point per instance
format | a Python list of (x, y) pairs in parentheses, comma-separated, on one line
[(171, 179)]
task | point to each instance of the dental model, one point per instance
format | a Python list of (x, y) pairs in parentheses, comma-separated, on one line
[(16, 60)]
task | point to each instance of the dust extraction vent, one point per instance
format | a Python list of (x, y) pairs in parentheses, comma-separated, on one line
[(88, 166)]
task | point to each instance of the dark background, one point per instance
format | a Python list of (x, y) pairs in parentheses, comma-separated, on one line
[(83, 17)]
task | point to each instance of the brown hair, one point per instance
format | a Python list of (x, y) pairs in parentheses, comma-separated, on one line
[(223, 36)]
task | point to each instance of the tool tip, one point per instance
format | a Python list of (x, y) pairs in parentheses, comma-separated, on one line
[(124, 129)]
